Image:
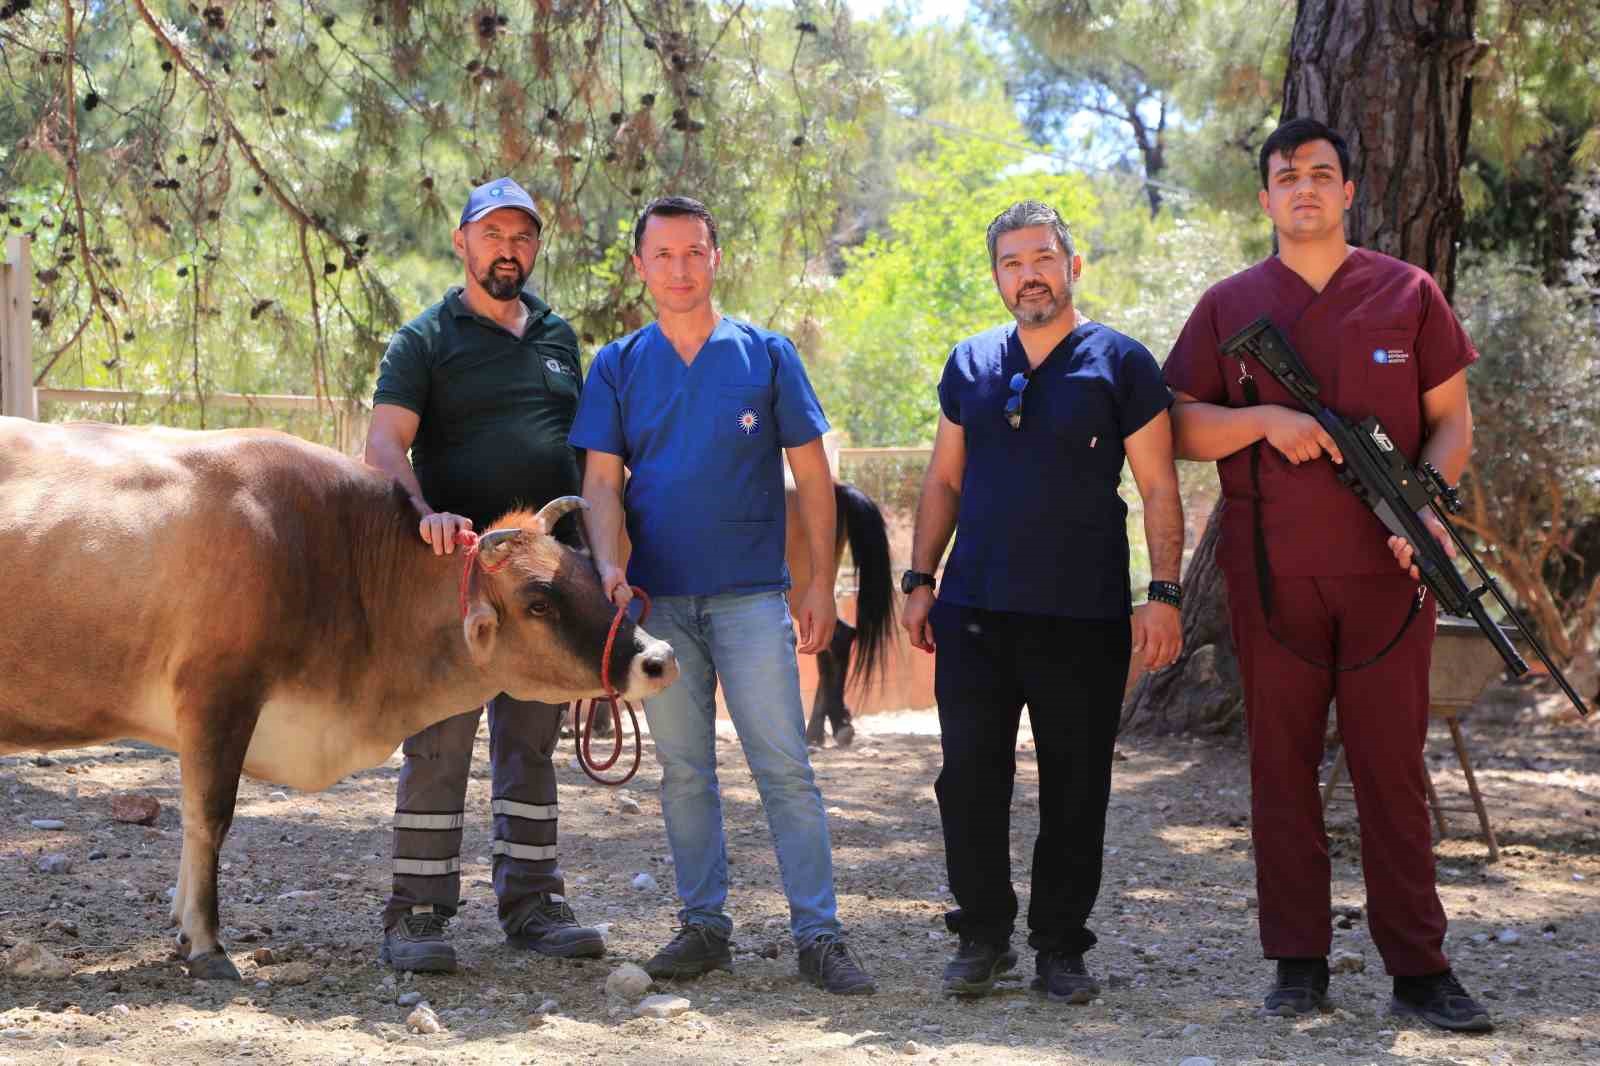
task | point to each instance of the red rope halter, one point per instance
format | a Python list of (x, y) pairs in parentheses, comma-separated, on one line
[(582, 725)]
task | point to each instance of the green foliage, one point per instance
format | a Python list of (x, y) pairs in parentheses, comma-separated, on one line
[(1535, 392), (906, 298), (263, 191)]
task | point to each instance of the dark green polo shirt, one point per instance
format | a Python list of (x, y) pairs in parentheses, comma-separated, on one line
[(495, 409)]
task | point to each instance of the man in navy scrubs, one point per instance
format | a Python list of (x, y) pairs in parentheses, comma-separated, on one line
[(700, 409), (1037, 418)]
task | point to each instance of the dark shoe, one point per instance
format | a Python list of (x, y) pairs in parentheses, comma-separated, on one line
[(695, 950), (1301, 988), (976, 965), (552, 929), (417, 942), (830, 965), (1441, 1000), (1063, 978)]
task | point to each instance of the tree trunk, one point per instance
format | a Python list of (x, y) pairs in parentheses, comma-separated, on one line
[(1201, 694), (1391, 76)]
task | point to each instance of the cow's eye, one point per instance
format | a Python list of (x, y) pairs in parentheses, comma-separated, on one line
[(539, 607)]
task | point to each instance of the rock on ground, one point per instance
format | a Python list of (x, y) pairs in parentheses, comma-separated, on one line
[(423, 1020), (661, 1007), (135, 808), (28, 959), (627, 981)]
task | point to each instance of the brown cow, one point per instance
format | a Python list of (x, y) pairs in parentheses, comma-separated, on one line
[(264, 605)]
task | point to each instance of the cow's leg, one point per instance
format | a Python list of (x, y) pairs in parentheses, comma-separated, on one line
[(213, 735)]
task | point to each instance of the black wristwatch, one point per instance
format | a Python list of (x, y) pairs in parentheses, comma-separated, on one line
[(912, 580), (1167, 592)]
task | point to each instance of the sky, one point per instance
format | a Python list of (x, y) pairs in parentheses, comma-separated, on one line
[(927, 10)]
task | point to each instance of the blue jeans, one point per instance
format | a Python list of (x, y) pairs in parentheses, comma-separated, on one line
[(748, 640)]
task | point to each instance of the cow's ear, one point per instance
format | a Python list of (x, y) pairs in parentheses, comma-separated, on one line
[(481, 627)]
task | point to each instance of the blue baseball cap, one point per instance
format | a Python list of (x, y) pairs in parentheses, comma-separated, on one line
[(493, 195)]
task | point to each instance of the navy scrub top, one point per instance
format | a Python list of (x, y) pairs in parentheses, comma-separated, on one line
[(1041, 528)]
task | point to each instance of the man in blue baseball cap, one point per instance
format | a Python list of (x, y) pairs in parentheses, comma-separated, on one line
[(481, 389)]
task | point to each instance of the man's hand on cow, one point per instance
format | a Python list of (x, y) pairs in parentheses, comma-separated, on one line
[(1157, 634), (439, 530), (1403, 553), (914, 617), (1297, 436), (614, 583), (816, 618)]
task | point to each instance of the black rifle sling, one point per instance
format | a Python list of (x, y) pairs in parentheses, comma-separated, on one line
[(1264, 571)]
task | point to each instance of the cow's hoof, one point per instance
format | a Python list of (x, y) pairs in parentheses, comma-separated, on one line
[(213, 966), (180, 946)]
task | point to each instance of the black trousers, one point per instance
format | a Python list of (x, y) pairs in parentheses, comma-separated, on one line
[(1070, 673)]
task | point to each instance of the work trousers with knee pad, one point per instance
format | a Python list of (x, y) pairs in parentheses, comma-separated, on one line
[(430, 810)]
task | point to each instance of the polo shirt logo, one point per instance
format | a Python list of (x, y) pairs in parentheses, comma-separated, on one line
[(749, 421), (1390, 356), (555, 367)]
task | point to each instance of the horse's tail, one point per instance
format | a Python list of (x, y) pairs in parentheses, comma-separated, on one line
[(863, 524)]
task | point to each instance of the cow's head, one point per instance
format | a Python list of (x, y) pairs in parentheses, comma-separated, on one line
[(537, 618)]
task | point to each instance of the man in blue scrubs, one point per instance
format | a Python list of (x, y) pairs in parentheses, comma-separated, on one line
[(699, 408), (1037, 419)]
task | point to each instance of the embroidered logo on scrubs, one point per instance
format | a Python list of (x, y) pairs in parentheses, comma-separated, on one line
[(1390, 356), (555, 367), (749, 422)]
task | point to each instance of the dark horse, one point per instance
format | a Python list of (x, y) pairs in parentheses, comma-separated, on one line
[(861, 525)]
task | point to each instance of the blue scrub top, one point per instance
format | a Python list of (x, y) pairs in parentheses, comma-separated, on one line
[(703, 444), (1041, 529)]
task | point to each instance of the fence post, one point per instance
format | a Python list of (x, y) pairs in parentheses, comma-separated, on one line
[(16, 331)]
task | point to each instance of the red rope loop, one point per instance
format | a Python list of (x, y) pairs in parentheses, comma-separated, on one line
[(467, 539), (583, 723)]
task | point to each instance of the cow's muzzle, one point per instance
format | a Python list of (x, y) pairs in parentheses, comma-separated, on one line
[(652, 667)]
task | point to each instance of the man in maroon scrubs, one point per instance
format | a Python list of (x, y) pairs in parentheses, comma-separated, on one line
[(1314, 591)]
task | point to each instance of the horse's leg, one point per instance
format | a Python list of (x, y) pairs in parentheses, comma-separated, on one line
[(844, 636), (826, 669)]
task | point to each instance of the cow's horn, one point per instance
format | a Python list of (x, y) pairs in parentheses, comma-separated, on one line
[(494, 543), (551, 512)]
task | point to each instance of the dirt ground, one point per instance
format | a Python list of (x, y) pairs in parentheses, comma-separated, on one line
[(306, 875)]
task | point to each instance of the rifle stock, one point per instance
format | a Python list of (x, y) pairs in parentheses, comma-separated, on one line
[(1376, 471)]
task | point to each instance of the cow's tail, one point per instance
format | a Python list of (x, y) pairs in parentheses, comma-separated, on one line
[(863, 524)]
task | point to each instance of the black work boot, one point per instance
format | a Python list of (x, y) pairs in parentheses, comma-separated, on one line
[(694, 950), (976, 965), (552, 929), (417, 942), (1301, 988), (830, 965), (1440, 999), (1064, 978)]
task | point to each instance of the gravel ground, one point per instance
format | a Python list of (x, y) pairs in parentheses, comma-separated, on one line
[(305, 875)]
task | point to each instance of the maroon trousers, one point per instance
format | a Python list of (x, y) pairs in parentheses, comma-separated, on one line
[(1383, 719)]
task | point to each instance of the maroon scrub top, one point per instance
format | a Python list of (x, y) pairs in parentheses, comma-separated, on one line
[(1378, 336)]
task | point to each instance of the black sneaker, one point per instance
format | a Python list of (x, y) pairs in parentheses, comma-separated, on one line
[(830, 965), (695, 950), (417, 942), (1440, 999), (1063, 977), (552, 929), (976, 965), (1301, 988)]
